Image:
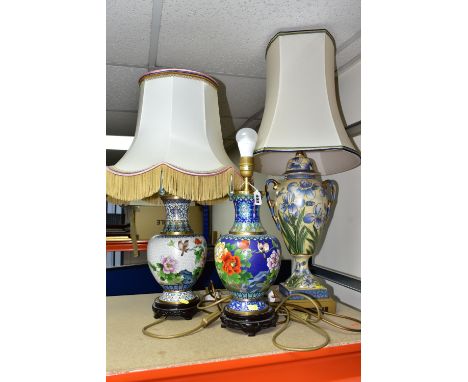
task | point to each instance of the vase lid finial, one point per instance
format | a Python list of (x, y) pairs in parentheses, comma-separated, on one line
[(300, 164)]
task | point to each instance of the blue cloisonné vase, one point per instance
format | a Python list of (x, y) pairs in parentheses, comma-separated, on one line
[(247, 259), (176, 256), (301, 212)]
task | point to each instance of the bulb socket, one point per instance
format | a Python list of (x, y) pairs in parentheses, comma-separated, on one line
[(246, 166)]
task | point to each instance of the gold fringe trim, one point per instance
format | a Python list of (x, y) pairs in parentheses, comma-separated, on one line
[(155, 200), (121, 189)]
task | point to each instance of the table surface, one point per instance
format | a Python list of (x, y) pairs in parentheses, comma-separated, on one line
[(128, 349)]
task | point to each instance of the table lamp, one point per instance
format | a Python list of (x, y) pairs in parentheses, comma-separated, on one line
[(177, 155), (247, 259), (302, 136)]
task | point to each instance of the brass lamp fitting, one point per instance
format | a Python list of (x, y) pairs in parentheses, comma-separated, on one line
[(246, 166)]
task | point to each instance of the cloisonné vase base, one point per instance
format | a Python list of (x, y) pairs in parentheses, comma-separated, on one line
[(250, 325), (247, 307), (247, 261), (177, 297), (176, 259), (317, 291), (183, 310)]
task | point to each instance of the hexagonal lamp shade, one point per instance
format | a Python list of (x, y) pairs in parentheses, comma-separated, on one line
[(301, 107)]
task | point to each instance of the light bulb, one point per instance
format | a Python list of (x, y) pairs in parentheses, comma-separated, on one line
[(246, 139)]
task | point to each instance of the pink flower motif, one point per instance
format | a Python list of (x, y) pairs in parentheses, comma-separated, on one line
[(243, 244), (273, 262), (169, 264)]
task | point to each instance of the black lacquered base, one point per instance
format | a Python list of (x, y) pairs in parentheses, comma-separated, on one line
[(249, 324), (186, 311)]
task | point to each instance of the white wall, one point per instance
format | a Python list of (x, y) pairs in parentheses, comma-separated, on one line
[(349, 84), (341, 250)]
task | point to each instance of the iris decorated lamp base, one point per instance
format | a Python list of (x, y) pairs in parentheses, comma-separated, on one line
[(302, 281), (301, 210), (176, 259)]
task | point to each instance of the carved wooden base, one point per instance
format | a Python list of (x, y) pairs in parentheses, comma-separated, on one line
[(249, 324), (186, 311)]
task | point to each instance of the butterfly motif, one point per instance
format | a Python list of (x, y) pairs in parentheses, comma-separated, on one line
[(263, 248), (183, 247)]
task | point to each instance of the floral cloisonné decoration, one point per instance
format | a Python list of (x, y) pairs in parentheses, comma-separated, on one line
[(172, 269), (247, 265)]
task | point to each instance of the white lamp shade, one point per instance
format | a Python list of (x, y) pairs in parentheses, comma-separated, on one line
[(301, 107), (177, 141)]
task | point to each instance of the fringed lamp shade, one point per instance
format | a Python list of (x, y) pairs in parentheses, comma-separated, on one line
[(301, 107), (178, 144)]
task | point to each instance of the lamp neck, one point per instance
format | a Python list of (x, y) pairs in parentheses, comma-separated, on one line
[(247, 216), (176, 216)]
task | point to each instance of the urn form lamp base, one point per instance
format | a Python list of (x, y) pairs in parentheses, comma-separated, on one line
[(302, 281), (250, 325), (183, 310), (317, 292), (326, 304)]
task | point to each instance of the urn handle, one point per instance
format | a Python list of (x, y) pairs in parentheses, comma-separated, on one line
[(271, 203), (331, 187)]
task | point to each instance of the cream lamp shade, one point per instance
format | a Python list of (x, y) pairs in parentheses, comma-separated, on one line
[(301, 107), (178, 144)]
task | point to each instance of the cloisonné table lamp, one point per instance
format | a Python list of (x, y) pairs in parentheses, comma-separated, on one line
[(302, 136), (178, 155), (247, 259)]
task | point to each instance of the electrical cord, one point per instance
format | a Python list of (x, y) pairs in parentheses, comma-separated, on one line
[(297, 317), (302, 316), (205, 321), (308, 317), (313, 311)]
